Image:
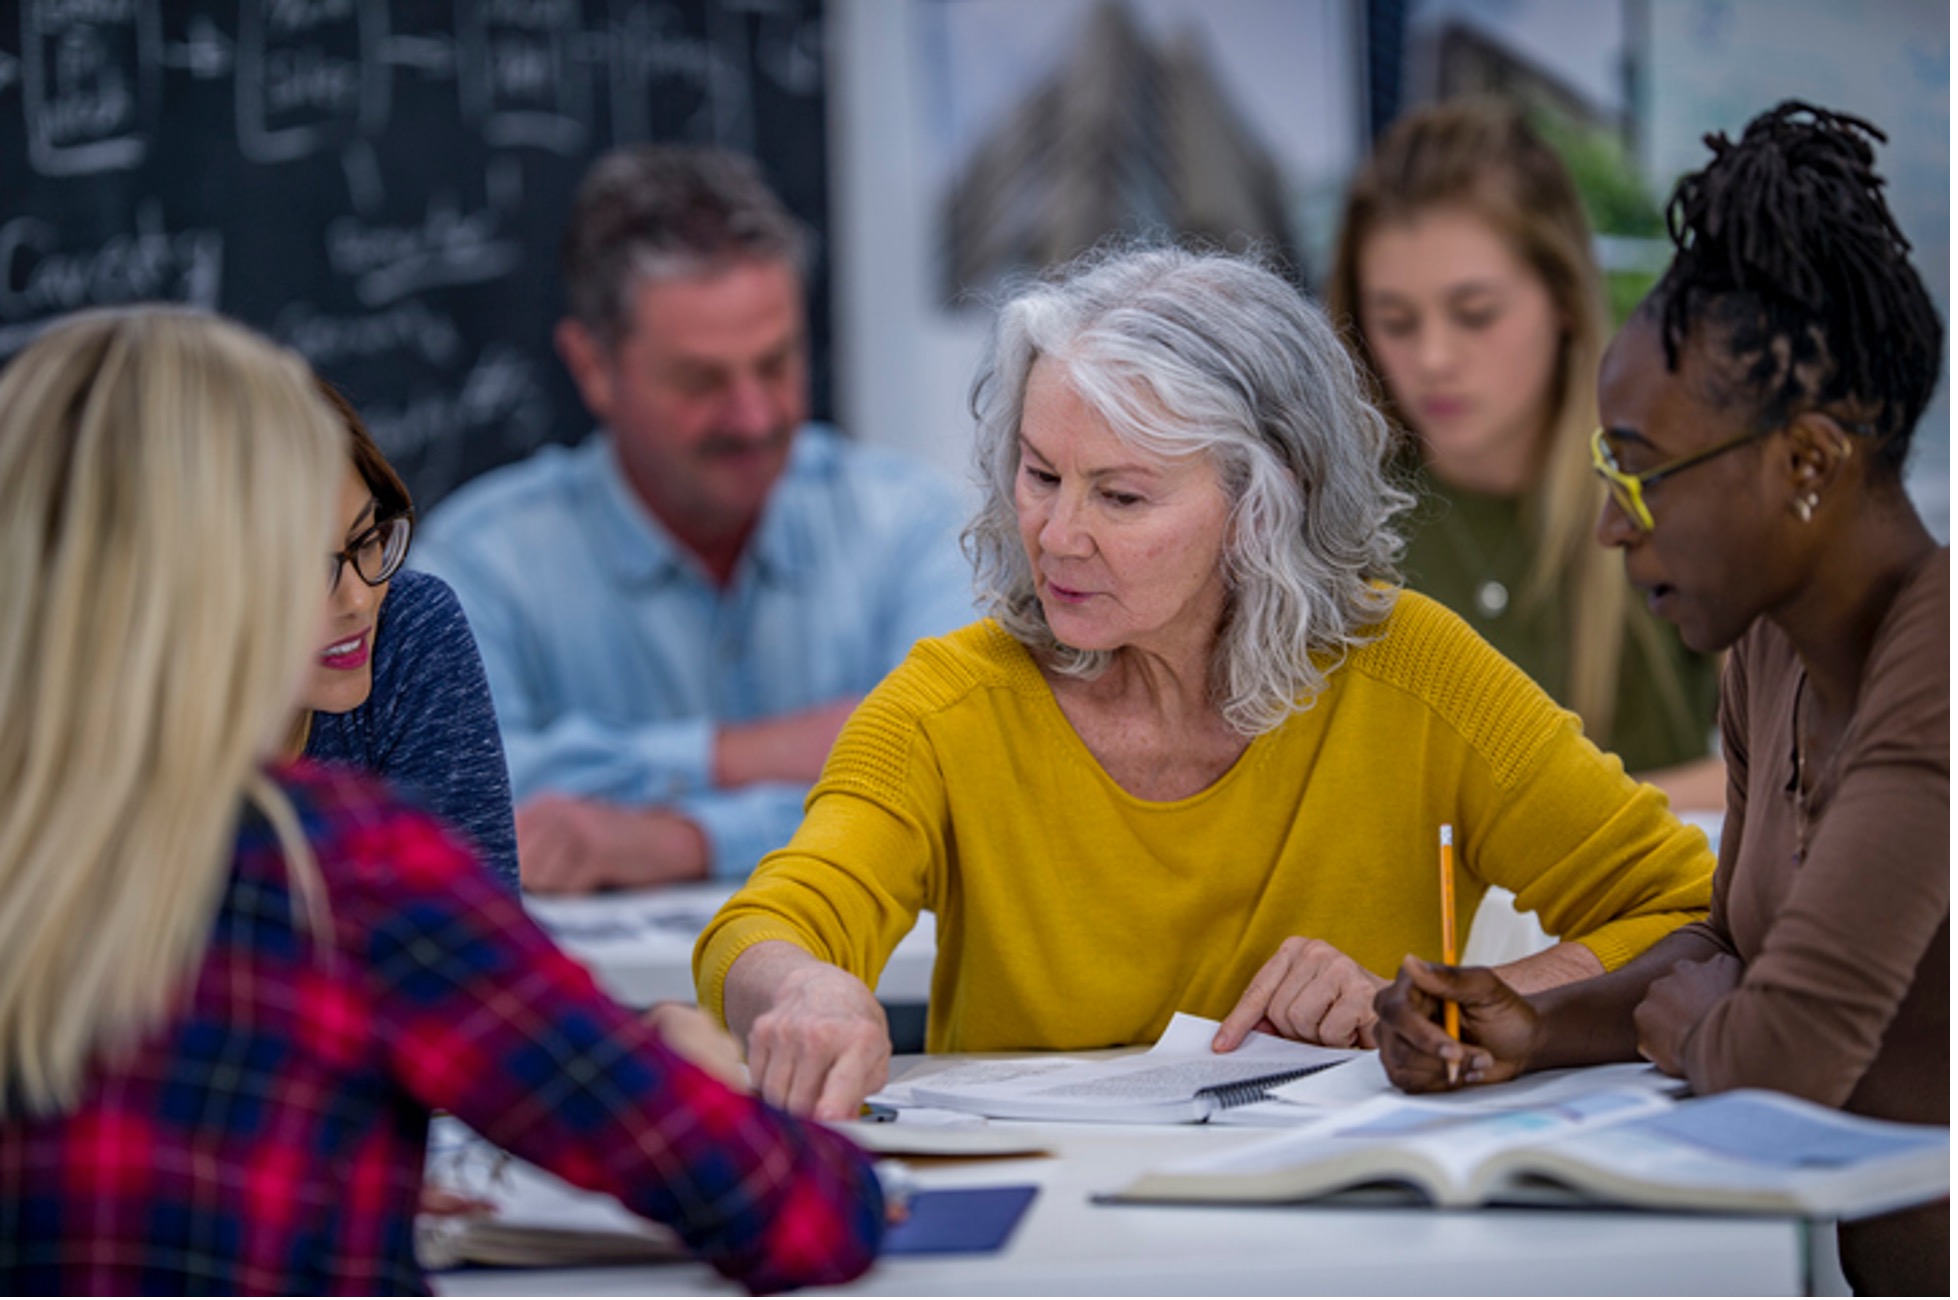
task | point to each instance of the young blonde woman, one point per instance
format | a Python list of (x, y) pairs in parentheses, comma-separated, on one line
[(1465, 277), (231, 992)]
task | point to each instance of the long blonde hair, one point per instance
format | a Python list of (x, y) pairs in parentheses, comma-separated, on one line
[(1480, 155), (166, 481)]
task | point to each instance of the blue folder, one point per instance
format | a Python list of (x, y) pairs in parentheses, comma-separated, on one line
[(959, 1221)]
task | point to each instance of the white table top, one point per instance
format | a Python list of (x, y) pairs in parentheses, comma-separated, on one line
[(1069, 1245), (639, 943), (640, 946)]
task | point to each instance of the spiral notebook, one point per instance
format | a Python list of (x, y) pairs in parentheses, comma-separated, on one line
[(1178, 1081)]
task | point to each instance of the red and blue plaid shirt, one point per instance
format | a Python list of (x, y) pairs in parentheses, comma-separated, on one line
[(271, 1136)]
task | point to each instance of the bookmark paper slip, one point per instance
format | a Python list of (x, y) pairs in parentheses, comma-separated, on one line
[(1178, 1081), (1363, 1079)]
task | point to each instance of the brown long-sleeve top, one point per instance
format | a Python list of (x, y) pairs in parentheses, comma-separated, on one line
[(1840, 908)]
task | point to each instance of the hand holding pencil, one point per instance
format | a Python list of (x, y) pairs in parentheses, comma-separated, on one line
[(1499, 1027), (1451, 1010), (1420, 1055)]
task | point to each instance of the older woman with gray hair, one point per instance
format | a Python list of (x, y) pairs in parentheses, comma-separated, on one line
[(1198, 757)]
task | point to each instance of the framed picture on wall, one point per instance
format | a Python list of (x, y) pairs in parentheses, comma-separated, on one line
[(980, 141), (1057, 125)]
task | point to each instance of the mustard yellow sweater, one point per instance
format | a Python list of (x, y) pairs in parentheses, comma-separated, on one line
[(1073, 915)]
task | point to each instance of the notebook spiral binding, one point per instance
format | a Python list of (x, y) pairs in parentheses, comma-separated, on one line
[(1246, 1091)]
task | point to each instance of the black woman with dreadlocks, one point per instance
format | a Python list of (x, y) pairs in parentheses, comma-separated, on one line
[(1758, 409)]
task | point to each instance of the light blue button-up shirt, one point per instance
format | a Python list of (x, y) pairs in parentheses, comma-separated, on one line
[(612, 656)]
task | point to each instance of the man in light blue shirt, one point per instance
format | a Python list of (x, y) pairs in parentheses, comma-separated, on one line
[(677, 615)]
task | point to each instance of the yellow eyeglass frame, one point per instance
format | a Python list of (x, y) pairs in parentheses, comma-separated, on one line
[(1628, 490)]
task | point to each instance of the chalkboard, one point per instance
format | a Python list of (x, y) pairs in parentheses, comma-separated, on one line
[(380, 185)]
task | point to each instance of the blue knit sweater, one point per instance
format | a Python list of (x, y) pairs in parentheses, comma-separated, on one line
[(428, 727)]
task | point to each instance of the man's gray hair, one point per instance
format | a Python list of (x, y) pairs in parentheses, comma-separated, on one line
[(664, 211), (1185, 353)]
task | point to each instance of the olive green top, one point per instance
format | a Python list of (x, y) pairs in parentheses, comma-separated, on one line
[(1472, 553)]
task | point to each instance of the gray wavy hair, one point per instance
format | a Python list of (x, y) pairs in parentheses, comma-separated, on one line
[(1184, 353)]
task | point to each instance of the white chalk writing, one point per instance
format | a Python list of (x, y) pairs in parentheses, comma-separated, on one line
[(303, 79), (500, 399), (54, 15), (303, 15), (408, 326), (303, 84), (87, 67), (523, 76), (38, 278), (448, 247)]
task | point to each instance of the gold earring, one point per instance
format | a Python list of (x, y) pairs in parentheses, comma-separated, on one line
[(1805, 506)]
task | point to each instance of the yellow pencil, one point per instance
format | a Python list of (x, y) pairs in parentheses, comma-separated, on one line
[(1451, 1011)]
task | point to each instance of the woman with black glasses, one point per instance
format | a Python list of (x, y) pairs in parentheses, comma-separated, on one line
[(397, 688), (1758, 411)]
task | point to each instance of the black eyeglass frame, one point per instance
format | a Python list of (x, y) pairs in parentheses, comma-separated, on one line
[(393, 556)]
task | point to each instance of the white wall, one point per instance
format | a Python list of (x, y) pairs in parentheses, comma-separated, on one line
[(1714, 64), (904, 365)]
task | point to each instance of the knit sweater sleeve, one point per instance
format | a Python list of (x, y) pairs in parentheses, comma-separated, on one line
[(1598, 856), (872, 848), (1595, 854)]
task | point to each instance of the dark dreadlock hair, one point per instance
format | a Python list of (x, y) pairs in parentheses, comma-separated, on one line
[(1785, 239)]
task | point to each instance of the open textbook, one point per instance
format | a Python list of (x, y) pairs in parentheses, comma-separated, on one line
[(1178, 1081), (1743, 1151), (538, 1219)]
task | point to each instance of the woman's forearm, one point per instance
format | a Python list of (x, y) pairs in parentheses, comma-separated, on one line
[(816, 1039), (1590, 1021), (1565, 963), (754, 979)]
